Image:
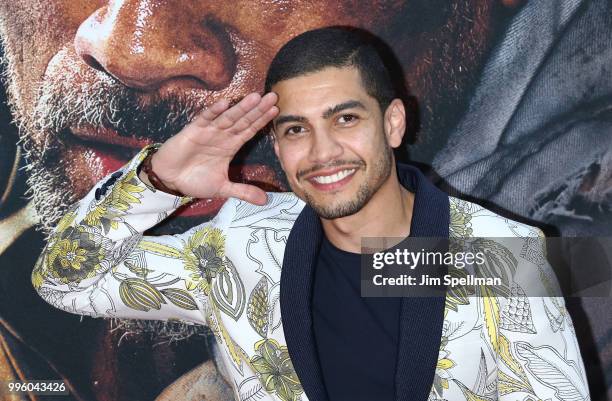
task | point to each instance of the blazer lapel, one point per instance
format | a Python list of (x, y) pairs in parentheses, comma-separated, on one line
[(299, 264), (421, 318)]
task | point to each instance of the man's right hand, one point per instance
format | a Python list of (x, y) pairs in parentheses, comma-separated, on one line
[(195, 161)]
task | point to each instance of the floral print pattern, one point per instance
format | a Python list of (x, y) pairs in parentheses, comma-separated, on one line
[(74, 255), (275, 371)]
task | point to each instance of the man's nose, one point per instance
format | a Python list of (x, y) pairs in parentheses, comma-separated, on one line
[(146, 44), (324, 147)]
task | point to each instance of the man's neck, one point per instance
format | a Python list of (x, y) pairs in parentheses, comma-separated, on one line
[(387, 214)]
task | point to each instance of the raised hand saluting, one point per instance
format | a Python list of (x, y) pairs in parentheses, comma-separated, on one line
[(195, 161)]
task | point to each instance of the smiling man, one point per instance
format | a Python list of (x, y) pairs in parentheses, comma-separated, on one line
[(276, 275), (90, 82), (133, 72)]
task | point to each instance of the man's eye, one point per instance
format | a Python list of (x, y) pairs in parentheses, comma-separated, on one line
[(296, 129), (347, 118)]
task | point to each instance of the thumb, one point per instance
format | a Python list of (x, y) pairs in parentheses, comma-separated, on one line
[(248, 193)]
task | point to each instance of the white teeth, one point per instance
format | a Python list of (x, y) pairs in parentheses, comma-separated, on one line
[(328, 179)]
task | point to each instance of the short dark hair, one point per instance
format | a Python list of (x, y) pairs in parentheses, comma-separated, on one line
[(339, 47)]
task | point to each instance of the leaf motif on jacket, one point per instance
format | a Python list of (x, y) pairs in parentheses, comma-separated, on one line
[(138, 269), (125, 248), (234, 351), (251, 389), (481, 377), (511, 362), (469, 394), (136, 262), (228, 291), (457, 295), (552, 370), (160, 249), (555, 320), (257, 310), (507, 384), (516, 315), (274, 310), (491, 316), (499, 262), (139, 294), (180, 298)]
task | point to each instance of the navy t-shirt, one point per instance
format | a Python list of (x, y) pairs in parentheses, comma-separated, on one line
[(356, 337)]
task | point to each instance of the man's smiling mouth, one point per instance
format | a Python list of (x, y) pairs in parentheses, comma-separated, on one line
[(331, 179), (106, 151)]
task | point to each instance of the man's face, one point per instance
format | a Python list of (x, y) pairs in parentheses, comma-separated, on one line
[(331, 140), (90, 81)]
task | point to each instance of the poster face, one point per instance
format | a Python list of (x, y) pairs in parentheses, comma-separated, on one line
[(508, 104)]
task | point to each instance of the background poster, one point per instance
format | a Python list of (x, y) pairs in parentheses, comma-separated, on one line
[(511, 105)]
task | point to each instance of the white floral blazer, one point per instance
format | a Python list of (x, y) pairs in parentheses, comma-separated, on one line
[(226, 274)]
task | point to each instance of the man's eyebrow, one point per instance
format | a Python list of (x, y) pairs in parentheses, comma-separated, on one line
[(288, 119), (351, 104)]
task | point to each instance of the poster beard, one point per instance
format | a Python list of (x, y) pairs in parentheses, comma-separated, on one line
[(102, 101)]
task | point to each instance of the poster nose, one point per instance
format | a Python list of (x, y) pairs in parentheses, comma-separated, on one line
[(145, 45)]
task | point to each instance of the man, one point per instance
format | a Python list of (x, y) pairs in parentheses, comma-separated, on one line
[(125, 53), (258, 274)]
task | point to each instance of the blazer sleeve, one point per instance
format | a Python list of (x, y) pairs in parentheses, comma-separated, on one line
[(537, 349), (97, 262)]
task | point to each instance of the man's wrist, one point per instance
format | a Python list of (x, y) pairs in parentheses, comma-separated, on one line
[(148, 176)]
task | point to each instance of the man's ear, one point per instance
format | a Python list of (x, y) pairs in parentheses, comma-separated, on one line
[(394, 121)]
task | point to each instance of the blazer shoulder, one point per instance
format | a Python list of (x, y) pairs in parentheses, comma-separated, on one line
[(282, 208), (471, 219)]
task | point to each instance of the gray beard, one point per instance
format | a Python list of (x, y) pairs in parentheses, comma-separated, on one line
[(44, 183), (60, 106)]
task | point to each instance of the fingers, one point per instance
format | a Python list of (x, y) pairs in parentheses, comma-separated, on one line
[(244, 119), (265, 109), (231, 115), (249, 109), (248, 193), (208, 115), (260, 123)]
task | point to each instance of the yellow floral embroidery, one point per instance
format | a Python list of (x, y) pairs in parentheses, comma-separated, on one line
[(275, 370), (204, 255)]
